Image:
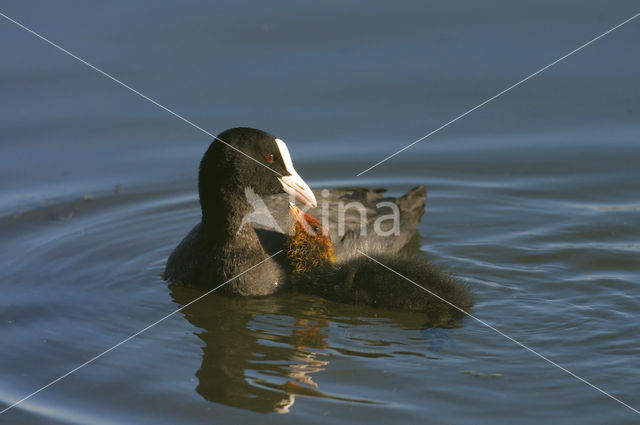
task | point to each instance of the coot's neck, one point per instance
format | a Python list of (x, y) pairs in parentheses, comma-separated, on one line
[(223, 212)]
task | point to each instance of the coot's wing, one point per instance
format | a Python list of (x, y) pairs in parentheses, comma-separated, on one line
[(391, 222)]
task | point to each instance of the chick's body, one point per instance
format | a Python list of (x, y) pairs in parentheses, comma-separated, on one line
[(409, 283)]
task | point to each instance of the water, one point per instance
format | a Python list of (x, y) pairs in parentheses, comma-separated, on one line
[(533, 200)]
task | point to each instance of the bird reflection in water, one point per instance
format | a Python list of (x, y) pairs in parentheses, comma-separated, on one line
[(253, 357)]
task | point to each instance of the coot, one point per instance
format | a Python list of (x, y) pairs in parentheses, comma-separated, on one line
[(361, 281), (222, 245), (245, 217)]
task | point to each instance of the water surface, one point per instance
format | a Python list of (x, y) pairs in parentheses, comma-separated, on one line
[(533, 200)]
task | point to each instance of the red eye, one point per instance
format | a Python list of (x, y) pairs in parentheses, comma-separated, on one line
[(269, 157)]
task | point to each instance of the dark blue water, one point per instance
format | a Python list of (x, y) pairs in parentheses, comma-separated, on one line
[(533, 200)]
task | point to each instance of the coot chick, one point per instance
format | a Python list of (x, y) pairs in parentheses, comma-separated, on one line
[(362, 281), (222, 246)]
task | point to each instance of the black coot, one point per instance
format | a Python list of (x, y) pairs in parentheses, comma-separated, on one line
[(245, 217), (243, 163)]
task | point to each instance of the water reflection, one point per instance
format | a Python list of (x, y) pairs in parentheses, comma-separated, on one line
[(260, 353), (251, 363)]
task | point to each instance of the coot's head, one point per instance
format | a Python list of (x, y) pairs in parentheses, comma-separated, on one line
[(247, 157), (309, 245)]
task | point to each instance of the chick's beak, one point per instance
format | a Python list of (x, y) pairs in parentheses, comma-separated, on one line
[(299, 216), (296, 213)]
